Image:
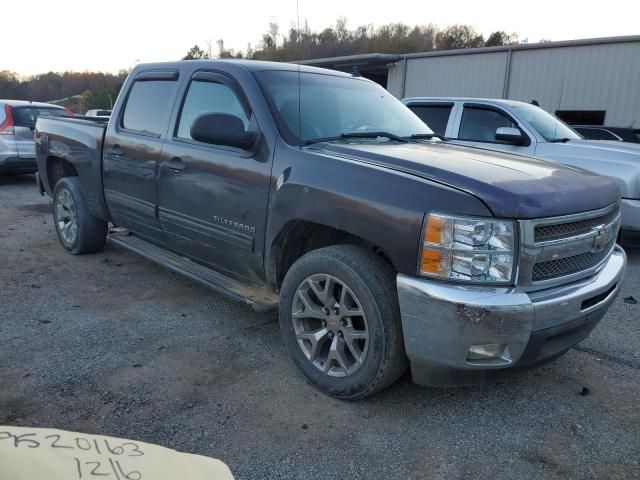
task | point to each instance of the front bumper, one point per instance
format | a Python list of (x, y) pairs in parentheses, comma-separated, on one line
[(442, 321), (630, 210)]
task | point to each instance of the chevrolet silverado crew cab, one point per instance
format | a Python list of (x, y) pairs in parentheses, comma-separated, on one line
[(526, 129), (319, 193)]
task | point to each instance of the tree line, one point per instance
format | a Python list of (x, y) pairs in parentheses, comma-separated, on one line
[(304, 44), (99, 90), (88, 89)]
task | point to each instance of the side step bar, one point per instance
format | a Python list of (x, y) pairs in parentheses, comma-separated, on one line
[(259, 297)]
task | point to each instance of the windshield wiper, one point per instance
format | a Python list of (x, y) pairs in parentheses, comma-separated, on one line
[(347, 135), (560, 140), (427, 136)]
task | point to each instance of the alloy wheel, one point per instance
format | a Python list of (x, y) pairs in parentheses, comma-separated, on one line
[(330, 325), (66, 217)]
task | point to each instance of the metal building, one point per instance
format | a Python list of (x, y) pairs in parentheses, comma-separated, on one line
[(594, 81)]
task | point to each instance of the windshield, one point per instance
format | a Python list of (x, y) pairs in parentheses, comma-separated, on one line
[(550, 127), (328, 106), (27, 116)]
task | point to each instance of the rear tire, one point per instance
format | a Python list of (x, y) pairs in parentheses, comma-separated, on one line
[(340, 321), (78, 231)]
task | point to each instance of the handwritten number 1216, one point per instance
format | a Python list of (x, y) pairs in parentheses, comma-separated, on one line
[(105, 469)]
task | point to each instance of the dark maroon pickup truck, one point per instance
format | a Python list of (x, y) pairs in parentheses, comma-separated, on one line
[(320, 194)]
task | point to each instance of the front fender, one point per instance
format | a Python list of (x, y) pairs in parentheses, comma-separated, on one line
[(380, 205)]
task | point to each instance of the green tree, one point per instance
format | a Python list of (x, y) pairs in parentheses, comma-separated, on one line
[(458, 36), (196, 53), (501, 38)]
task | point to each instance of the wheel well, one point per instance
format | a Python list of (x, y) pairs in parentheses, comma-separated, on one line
[(299, 237), (58, 168)]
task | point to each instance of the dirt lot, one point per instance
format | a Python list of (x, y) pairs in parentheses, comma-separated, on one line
[(112, 344)]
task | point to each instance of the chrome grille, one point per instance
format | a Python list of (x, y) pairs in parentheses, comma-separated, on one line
[(568, 265), (545, 233), (558, 250)]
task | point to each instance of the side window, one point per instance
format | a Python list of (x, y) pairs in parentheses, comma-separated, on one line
[(147, 105), (480, 124), (208, 97), (435, 116)]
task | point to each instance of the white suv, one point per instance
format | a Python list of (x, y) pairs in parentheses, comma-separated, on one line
[(17, 122)]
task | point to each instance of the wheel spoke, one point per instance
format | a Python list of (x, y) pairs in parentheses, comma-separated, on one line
[(317, 339), (336, 354), (324, 294), (73, 229), (348, 305), (61, 213), (350, 339), (310, 310)]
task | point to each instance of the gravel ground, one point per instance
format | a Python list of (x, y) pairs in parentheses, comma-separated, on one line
[(112, 344)]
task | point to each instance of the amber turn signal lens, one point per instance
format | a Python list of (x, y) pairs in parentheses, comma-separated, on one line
[(433, 230), (430, 261)]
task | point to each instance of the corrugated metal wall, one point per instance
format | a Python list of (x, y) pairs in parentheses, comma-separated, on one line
[(595, 77), (590, 77), (394, 79), (479, 75)]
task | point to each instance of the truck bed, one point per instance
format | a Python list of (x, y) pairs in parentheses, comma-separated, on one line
[(76, 143)]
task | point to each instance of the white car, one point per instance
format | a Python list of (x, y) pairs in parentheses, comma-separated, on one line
[(526, 129), (101, 113)]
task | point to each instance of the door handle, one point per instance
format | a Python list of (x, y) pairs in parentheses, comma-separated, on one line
[(176, 165), (115, 151)]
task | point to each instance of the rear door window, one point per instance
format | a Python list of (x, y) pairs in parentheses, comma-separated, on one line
[(435, 116), (480, 124), (27, 116), (147, 106)]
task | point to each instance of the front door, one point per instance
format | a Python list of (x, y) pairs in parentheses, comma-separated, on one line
[(478, 124), (213, 198), (132, 153)]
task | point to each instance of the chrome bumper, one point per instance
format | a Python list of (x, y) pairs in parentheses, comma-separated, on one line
[(630, 214), (442, 321)]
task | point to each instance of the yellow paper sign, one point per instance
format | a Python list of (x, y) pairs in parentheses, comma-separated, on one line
[(39, 453)]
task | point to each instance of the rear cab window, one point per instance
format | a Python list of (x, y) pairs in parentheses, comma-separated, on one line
[(436, 115), (147, 106)]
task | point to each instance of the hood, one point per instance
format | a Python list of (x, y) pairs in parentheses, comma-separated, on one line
[(618, 160), (511, 186)]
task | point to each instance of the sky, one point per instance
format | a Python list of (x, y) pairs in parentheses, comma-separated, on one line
[(81, 35)]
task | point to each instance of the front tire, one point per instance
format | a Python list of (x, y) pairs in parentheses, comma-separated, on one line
[(340, 321), (78, 231)]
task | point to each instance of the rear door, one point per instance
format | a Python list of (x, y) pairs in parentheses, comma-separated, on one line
[(476, 125), (24, 119), (212, 198), (132, 152)]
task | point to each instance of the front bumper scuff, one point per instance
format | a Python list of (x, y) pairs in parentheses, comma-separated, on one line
[(441, 321)]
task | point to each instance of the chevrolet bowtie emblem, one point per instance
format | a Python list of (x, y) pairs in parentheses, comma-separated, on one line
[(600, 240)]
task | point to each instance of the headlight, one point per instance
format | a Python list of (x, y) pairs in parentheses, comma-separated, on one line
[(471, 249)]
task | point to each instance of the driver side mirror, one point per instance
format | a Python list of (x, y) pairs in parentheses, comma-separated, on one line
[(222, 129), (510, 135)]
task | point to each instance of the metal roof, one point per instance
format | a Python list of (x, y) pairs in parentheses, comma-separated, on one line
[(350, 60), (379, 58)]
